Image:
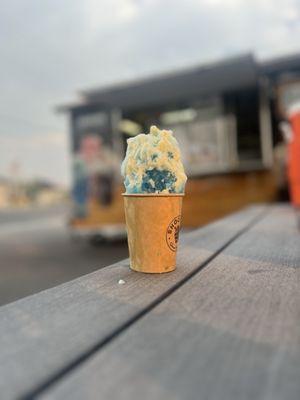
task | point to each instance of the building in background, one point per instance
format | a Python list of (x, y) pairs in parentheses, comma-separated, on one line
[(30, 193), (4, 193), (225, 116)]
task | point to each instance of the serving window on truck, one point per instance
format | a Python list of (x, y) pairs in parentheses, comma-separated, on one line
[(207, 139)]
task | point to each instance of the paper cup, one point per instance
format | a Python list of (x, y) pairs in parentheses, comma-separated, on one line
[(153, 222)]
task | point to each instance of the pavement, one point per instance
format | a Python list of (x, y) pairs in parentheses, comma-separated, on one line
[(37, 252)]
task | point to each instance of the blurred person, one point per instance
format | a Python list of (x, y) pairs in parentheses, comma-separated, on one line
[(100, 166), (294, 154), (98, 163)]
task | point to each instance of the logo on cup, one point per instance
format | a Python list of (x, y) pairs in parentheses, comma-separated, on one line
[(172, 234)]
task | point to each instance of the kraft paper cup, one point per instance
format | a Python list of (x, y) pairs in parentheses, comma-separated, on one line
[(153, 222)]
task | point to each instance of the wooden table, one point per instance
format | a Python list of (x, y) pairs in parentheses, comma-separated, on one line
[(224, 325)]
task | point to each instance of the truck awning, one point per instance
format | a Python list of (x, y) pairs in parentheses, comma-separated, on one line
[(206, 80)]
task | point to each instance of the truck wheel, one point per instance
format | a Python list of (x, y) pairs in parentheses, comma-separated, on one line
[(96, 240)]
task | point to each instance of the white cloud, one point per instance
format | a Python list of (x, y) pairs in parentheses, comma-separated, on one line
[(108, 14)]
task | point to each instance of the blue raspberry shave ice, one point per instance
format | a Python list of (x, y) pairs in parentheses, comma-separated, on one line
[(153, 164)]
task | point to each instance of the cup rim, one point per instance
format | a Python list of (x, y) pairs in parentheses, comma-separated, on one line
[(153, 194)]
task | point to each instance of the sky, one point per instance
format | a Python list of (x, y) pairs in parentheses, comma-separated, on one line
[(52, 49)]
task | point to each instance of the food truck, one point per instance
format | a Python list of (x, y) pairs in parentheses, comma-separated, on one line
[(224, 116)]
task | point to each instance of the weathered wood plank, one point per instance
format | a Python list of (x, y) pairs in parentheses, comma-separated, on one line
[(230, 332), (47, 332)]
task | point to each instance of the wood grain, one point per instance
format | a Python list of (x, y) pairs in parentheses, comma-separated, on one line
[(231, 332), (47, 332)]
